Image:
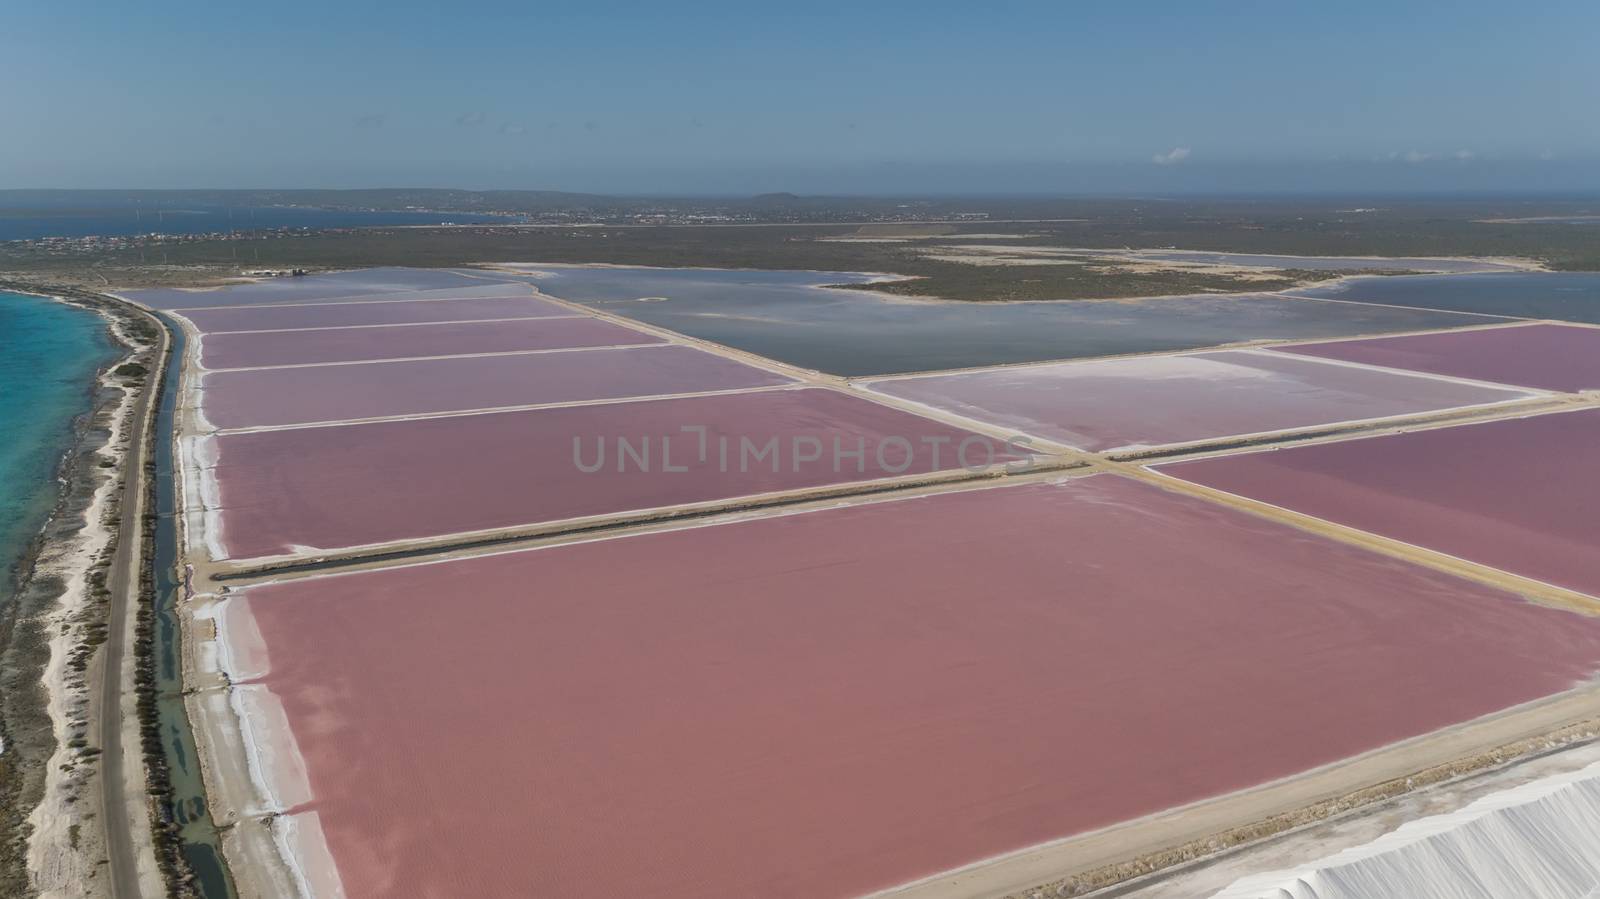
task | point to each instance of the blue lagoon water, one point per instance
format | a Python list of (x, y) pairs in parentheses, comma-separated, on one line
[(1566, 296), (49, 354), (790, 316)]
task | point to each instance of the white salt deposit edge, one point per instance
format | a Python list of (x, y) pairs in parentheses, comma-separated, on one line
[(1537, 841), (238, 650), (276, 768), (202, 496), (304, 851), (197, 403), (277, 771)]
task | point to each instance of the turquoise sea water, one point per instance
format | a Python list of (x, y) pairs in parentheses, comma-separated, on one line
[(49, 353)]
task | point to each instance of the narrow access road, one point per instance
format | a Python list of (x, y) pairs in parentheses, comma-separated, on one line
[(106, 724)]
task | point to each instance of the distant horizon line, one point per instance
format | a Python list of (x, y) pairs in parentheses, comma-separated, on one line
[(1575, 194)]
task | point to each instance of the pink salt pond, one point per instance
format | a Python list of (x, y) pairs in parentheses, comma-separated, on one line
[(836, 702), (1157, 400)]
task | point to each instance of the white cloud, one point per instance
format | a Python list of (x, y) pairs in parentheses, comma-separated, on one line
[(1465, 155), (1171, 157)]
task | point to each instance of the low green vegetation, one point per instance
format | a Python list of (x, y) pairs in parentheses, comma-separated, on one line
[(1344, 228)]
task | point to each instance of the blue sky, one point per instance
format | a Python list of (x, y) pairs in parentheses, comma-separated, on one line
[(815, 97)]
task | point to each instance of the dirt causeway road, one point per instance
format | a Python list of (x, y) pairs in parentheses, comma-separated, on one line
[(106, 719)]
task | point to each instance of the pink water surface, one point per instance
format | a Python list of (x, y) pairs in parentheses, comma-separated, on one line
[(326, 287), (831, 703), (1551, 357), (359, 344), (370, 312), (1520, 495), (1156, 400), (353, 485), (279, 396)]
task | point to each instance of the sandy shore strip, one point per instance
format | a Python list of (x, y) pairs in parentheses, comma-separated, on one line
[(66, 849)]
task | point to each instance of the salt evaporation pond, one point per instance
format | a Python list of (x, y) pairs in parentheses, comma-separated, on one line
[(372, 311), (346, 486), (850, 698), (329, 393), (322, 287), (787, 316), (251, 349), (1565, 296), (1551, 357), (1103, 404), (1518, 494)]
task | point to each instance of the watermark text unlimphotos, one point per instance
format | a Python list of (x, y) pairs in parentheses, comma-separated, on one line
[(696, 448)]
